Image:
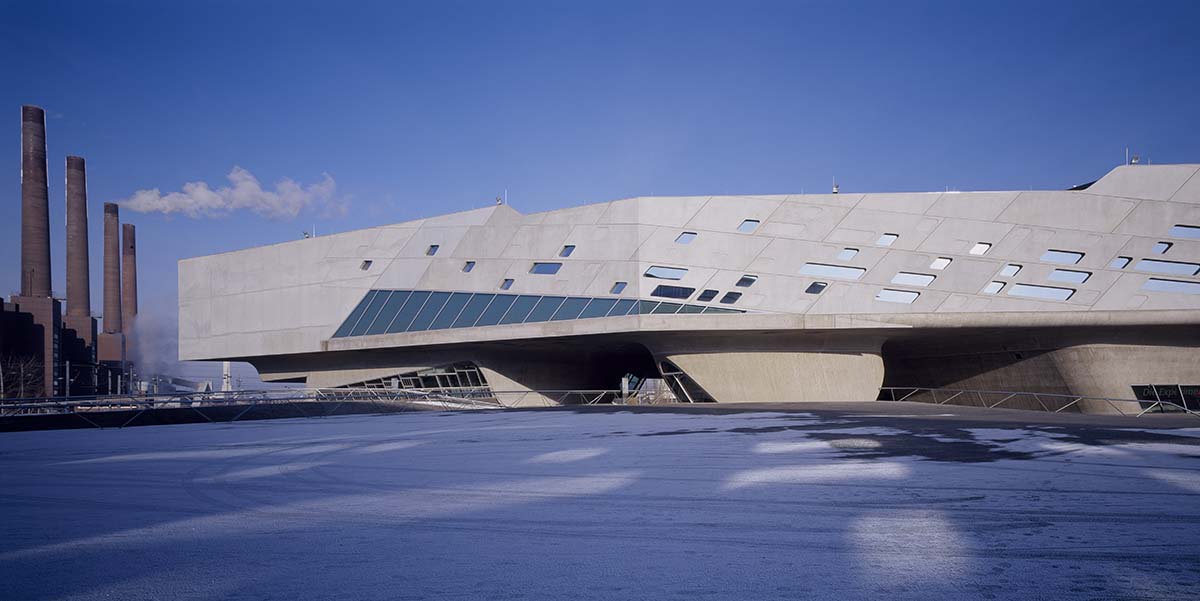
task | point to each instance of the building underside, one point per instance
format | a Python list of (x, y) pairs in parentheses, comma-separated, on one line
[(1090, 292)]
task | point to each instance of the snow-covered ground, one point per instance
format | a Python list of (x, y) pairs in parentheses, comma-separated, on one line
[(600, 505)]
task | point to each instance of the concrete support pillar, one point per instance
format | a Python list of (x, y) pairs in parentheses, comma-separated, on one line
[(783, 376)]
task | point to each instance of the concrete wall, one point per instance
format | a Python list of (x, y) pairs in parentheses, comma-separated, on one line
[(288, 299)]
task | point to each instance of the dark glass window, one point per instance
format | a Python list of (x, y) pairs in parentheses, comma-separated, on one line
[(506, 284), (429, 311), (369, 315), (432, 250), (730, 298), (408, 312), (352, 319), (566, 250), (719, 310), (666, 291), (746, 281), (570, 309), (468, 266), (545, 268), (707, 295), (618, 287), (691, 309), (545, 308), (646, 307), (599, 307), (520, 309), (623, 307), (666, 308), (491, 316), (450, 312), (816, 288), (473, 310), (388, 313)]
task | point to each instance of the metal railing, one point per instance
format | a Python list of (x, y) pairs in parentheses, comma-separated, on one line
[(294, 402), (1044, 401)]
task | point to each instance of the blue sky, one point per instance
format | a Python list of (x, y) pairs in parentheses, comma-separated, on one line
[(416, 109)]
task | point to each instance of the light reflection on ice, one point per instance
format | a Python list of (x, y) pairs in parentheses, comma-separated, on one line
[(816, 474), (567, 456)]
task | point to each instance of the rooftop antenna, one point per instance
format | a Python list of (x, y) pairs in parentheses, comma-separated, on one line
[(835, 185), (1126, 155)]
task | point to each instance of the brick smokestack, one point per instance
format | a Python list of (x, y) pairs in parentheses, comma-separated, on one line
[(112, 269), (129, 304), (79, 289), (35, 205)]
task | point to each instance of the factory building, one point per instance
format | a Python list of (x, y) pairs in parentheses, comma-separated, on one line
[(1091, 291), (44, 351)]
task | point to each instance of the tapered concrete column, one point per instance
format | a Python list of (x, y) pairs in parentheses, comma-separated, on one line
[(129, 304), (79, 290), (35, 205), (112, 269)]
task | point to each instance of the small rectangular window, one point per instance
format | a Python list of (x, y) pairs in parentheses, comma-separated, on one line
[(1065, 257), (1010, 270), (905, 278), (1158, 285), (832, 271), (1042, 292), (618, 287), (1069, 275), (566, 250), (1120, 263), (981, 248), (1161, 248), (685, 238), (847, 254), (940, 263), (730, 298), (747, 226), (904, 297), (365, 265), (993, 287), (707, 295), (1185, 231), (506, 284), (668, 291), (1167, 267), (666, 273), (432, 250), (746, 281), (816, 288), (887, 239), (545, 268), (468, 266)]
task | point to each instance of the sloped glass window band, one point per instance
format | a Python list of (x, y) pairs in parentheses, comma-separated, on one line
[(395, 311)]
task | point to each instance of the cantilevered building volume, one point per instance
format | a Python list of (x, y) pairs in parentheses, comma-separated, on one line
[(1092, 291)]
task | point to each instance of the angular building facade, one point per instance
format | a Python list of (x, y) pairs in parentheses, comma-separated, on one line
[(1092, 291)]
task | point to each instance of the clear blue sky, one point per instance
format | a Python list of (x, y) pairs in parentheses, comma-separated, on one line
[(424, 108)]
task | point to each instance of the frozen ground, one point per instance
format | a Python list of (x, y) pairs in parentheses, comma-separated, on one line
[(832, 503)]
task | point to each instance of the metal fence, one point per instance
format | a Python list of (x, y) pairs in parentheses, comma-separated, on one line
[(1050, 402), (125, 410)]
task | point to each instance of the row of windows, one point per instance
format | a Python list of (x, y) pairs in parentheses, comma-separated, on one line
[(394, 311)]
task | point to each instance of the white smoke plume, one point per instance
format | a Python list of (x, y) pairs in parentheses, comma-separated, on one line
[(197, 200)]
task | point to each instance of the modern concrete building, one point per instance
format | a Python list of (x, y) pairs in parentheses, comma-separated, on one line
[(1090, 291)]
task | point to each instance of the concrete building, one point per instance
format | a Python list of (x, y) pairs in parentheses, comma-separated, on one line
[(1090, 291)]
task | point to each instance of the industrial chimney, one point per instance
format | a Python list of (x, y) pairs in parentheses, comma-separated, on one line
[(129, 304), (112, 269), (79, 290), (35, 205)]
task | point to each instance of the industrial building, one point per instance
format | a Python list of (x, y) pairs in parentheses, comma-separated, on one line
[(1090, 291), (44, 351)]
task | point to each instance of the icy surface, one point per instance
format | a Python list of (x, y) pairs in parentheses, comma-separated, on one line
[(593, 505)]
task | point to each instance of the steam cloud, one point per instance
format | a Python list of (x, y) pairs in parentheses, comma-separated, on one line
[(197, 200)]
